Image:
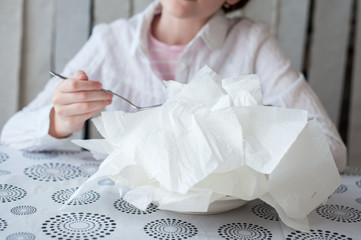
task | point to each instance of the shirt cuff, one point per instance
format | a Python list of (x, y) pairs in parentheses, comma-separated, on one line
[(47, 142)]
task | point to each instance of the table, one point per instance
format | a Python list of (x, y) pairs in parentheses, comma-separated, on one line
[(34, 185)]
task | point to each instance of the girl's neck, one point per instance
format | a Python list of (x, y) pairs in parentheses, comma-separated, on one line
[(175, 31)]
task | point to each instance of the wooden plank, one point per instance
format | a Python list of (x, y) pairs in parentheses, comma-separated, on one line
[(36, 59), (106, 11), (354, 133), (328, 52), (140, 5), (72, 25), (10, 58), (292, 29)]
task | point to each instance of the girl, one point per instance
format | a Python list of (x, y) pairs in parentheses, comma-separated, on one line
[(171, 39)]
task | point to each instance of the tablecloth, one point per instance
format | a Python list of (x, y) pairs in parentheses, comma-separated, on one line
[(34, 185)]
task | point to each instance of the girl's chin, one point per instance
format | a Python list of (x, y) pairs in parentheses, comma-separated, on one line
[(182, 8)]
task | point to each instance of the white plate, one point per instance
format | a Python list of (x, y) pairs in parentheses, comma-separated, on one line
[(222, 205)]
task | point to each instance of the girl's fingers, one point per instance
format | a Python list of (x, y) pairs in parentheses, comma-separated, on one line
[(75, 85), (65, 98), (67, 125), (81, 75), (80, 108)]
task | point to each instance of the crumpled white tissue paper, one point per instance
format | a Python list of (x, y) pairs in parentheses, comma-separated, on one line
[(212, 138)]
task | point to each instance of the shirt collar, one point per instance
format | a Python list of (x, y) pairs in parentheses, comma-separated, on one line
[(213, 32), (140, 38)]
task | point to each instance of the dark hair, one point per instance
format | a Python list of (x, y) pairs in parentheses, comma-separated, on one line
[(236, 6)]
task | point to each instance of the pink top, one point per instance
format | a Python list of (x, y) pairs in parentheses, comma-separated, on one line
[(163, 57)]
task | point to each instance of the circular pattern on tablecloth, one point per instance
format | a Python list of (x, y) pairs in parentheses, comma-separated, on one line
[(106, 181), (89, 158), (126, 207), (21, 236), (170, 229), (4, 172), (10, 193), (3, 157), (316, 235), (67, 152), (339, 213), (341, 189), (52, 172), (3, 224), (88, 169), (23, 210), (83, 198), (352, 171), (244, 231), (358, 183), (265, 211), (79, 226), (40, 155)]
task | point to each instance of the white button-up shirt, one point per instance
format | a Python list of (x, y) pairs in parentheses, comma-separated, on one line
[(116, 54)]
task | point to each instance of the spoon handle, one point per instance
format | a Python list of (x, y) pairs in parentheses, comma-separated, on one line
[(108, 91)]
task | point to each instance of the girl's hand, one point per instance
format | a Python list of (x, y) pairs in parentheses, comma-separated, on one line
[(76, 100)]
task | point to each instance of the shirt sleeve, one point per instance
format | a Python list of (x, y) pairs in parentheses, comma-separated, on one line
[(28, 128), (283, 86)]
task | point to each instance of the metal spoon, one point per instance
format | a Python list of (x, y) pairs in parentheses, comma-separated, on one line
[(108, 91)]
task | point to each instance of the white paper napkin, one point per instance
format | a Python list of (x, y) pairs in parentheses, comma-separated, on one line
[(213, 137)]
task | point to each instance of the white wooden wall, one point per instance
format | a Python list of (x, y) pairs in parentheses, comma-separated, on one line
[(36, 35), (354, 139), (11, 31)]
